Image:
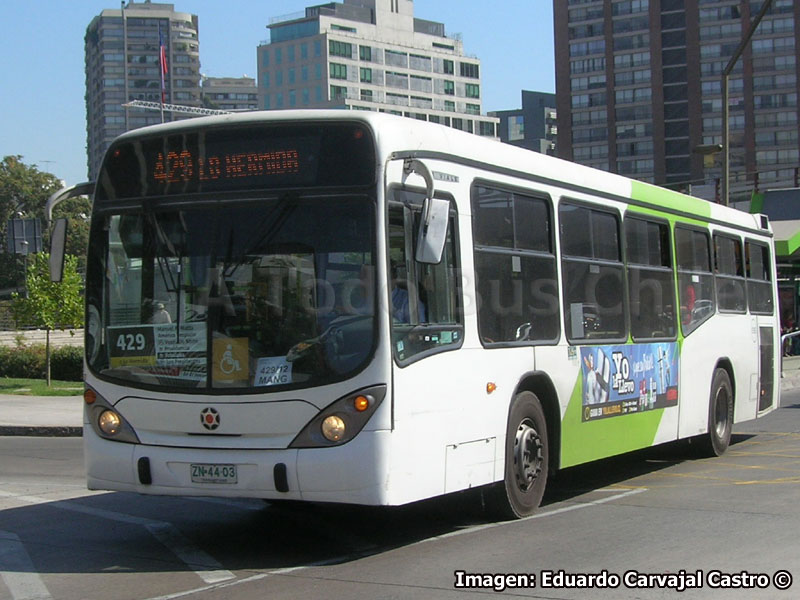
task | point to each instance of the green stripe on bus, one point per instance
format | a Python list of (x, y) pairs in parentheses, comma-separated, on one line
[(584, 441), (658, 196)]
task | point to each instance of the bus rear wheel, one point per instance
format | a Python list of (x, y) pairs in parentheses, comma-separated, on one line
[(720, 415), (527, 458)]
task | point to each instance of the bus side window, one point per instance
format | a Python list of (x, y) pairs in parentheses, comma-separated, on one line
[(593, 273), (651, 286), (729, 271), (695, 279), (423, 299), (515, 267)]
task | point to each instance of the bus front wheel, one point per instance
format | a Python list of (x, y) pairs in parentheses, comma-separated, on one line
[(526, 459)]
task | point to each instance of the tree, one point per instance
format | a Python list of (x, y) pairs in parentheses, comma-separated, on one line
[(25, 189), (50, 305)]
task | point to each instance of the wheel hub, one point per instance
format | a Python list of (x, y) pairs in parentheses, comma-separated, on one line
[(527, 455)]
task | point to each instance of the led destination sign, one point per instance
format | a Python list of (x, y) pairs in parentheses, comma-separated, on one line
[(183, 166), (254, 157)]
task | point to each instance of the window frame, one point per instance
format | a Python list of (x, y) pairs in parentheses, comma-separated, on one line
[(513, 251), (619, 263), (720, 278), (410, 209), (680, 226), (750, 280), (670, 268)]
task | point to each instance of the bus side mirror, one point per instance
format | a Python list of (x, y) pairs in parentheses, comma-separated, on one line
[(58, 247), (435, 212), (432, 230)]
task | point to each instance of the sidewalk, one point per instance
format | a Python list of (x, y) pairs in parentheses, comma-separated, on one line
[(62, 416), (54, 416)]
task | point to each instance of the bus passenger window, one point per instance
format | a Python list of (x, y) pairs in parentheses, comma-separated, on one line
[(729, 271), (695, 280), (515, 267), (651, 286), (593, 273)]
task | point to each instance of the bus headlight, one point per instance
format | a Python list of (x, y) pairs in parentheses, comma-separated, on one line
[(106, 421), (341, 421), (333, 428), (109, 422)]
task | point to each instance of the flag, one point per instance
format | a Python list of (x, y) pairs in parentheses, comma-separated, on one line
[(162, 63)]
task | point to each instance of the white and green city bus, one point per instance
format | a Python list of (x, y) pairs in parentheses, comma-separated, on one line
[(361, 308)]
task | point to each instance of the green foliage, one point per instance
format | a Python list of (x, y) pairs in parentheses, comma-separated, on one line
[(50, 305), (66, 363), (29, 362), (25, 189), (23, 361)]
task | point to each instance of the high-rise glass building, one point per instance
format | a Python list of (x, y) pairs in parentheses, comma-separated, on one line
[(638, 85), (123, 50), (371, 55)]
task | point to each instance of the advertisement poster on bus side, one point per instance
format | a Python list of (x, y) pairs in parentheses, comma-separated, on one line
[(625, 379)]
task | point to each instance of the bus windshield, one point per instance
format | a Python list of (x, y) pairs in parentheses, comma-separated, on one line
[(249, 295)]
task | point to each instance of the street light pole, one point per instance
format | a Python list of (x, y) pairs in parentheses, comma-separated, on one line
[(726, 165)]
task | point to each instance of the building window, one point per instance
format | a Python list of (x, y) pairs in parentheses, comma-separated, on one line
[(473, 90), (338, 92), (338, 71), (366, 75), (473, 109), (449, 88), (449, 106), (365, 53), (449, 67), (469, 70), (336, 48), (516, 128), (366, 95)]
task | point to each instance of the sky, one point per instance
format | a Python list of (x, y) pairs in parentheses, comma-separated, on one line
[(42, 109)]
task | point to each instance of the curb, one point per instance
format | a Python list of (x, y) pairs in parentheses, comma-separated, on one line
[(39, 431)]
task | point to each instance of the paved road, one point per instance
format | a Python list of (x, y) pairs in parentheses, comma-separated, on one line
[(649, 514)]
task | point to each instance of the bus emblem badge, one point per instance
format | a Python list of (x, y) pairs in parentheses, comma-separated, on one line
[(209, 417)]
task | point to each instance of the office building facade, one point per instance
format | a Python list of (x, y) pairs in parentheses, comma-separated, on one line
[(639, 90), (229, 93), (123, 49), (533, 126), (371, 55)]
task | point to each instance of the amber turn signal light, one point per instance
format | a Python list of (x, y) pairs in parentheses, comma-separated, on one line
[(361, 403)]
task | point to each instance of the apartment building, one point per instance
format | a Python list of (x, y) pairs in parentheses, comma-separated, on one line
[(371, 55), (639, 90), (123, 49), (229, 93)]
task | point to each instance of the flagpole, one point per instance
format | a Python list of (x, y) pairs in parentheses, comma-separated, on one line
[(162, 67)]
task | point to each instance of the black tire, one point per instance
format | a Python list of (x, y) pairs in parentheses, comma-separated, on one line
[(720, 415), (527, 456)]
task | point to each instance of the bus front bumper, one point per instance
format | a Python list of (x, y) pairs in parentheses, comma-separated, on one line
[(354, 473)]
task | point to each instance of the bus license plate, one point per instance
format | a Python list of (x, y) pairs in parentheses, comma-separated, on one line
[(207, 473)]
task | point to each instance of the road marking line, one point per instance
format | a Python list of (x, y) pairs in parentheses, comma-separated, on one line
[(205, 566), (17, 570), (540, 515)]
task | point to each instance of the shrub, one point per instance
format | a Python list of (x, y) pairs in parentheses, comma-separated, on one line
[(66, 363), (27, 362)]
